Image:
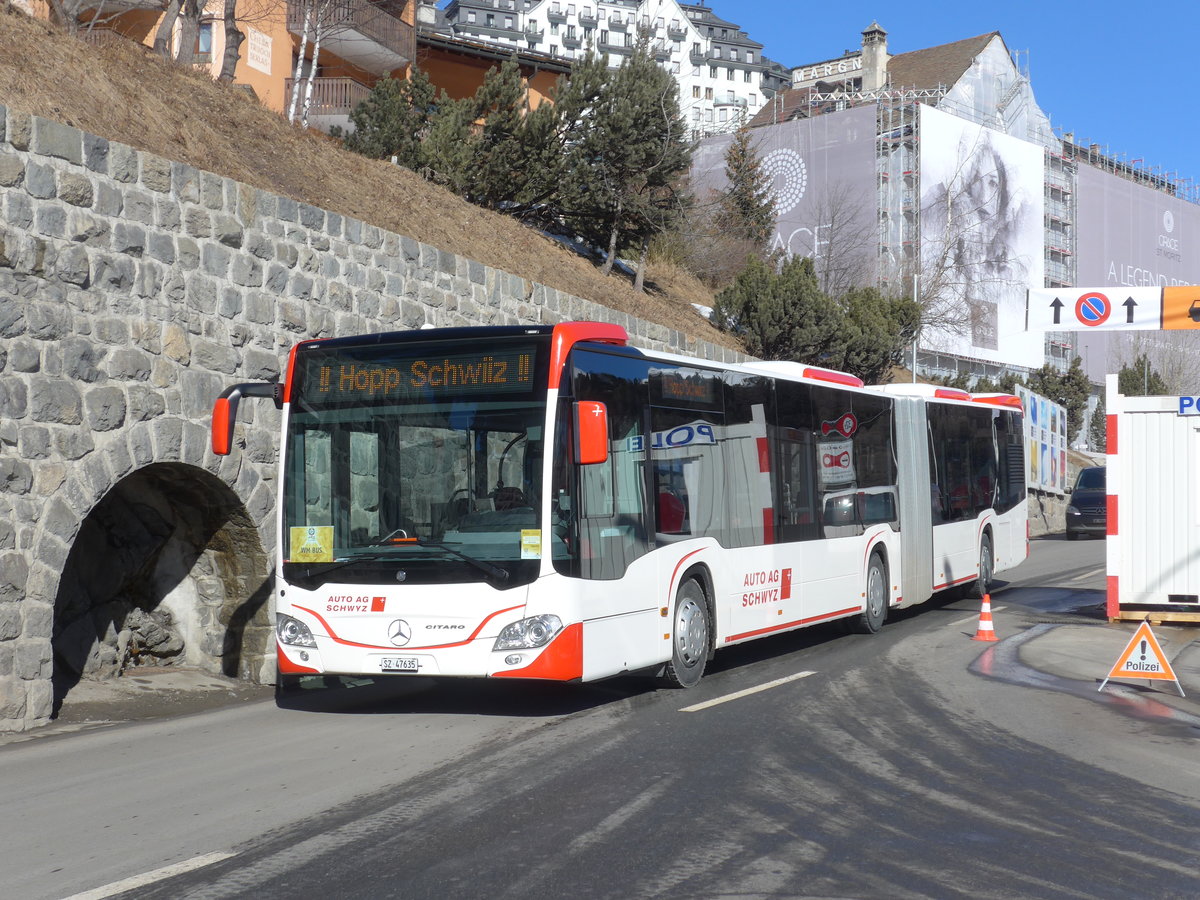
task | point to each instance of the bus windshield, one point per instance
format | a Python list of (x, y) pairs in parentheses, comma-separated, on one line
[(414, 462)]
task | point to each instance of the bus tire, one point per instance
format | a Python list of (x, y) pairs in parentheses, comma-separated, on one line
[(870, 620), (987, 567), (690, 637)]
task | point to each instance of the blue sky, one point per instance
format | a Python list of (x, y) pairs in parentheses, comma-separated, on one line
[(1121, 75)]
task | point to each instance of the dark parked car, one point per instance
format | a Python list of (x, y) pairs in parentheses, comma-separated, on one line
[(1087, 511)]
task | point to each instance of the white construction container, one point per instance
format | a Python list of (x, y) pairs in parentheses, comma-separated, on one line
[(1153, 507)]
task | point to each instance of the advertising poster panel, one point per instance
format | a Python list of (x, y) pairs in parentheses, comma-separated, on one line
[(1129, 236), (982, 203), (1045, 443), (822, 173)]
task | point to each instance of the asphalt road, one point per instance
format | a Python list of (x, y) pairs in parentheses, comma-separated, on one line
[(883, 767)]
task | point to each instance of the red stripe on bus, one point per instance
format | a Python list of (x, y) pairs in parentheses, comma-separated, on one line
[(1110, 511), (764, 455), (938, 587), (1110, 433), (768, 526), (474, 634), (678, 565), (287, 667), (561, 661), (796, 624), (1112, 606)]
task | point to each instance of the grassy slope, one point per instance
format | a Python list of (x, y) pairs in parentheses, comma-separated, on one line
[(125, 94)]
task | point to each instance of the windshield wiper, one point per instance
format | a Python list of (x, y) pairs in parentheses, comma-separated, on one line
[(499, 574), (484, 566)]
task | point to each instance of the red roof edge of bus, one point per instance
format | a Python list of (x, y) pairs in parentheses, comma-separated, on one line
[(833, 375), (1009, 400), (287, 384), (568, 334), (951, 394)]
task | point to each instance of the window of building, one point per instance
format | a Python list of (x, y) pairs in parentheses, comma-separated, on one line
[(491, 19), (708, 116), (554, 28), (571, 31), (508, 22), (716, 52), (729, 74), (471, 15), (754, 99), (708, 93), (554, 49), (750, 56), (604, 35), (723, 115), (628, 39), (696, 48), (204, 42), (712, 71), (675, 68), (696, 91)]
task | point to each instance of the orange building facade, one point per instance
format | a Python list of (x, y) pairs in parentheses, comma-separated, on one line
[(360, 42)]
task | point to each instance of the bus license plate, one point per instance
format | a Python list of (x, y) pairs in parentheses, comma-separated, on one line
[(399, 664)]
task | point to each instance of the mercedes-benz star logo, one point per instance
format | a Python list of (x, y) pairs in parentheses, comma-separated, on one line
[(399, 632)]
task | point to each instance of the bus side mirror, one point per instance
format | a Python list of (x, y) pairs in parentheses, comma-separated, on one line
[(224, 414), (591, 432)]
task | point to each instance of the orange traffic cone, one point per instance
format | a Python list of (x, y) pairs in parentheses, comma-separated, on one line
[(985, 632)]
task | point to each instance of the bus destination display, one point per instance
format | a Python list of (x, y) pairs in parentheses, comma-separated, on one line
[(337, 378)]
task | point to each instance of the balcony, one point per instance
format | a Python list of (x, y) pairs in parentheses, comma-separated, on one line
[(333, 99), (616, 23), (534, 31), (676, 32), (571, 40), (556, 13), (369, 35), (587, 19)]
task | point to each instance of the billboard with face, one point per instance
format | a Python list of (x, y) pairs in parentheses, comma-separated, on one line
[(822, 173), (981, 207)]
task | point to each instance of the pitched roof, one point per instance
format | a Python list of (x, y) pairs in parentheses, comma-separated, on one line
[(943, 64), (915, 70)]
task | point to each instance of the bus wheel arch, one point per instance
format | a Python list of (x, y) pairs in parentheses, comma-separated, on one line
[(987, 567), (692, 629), (876, 594)]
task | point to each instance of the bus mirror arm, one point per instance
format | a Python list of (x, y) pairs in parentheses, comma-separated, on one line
[(224, 414)]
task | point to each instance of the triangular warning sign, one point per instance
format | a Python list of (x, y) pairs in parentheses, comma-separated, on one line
[(1143, 657)]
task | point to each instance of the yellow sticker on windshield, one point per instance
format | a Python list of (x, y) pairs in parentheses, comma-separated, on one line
[(531, 543), (312, 543)]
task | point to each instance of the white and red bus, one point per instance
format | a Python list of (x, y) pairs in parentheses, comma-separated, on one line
[(552, 503)]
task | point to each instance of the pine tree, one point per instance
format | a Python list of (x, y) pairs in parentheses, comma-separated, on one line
[(625, 167), (1141, 379), (784, 315), (393, 119), (447, 150), (1098, 433), (498, 166), (878, 330), (746, 208)]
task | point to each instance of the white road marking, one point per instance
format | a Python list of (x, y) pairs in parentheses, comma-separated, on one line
[(739, 694), (137, 881)]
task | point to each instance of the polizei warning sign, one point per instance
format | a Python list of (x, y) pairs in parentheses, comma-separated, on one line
[(1143, 658)]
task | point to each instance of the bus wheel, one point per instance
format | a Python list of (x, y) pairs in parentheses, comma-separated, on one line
[(690, 640), (870, 620), (982, 585)]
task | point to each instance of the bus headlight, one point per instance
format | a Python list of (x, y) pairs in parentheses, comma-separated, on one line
[(528, 634), (1072, 511), (293, 632)]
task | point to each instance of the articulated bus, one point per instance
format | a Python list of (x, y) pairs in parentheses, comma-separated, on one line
[(552, 503)]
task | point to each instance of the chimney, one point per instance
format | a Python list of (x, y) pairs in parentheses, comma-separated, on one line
[(426, 13), (875, 58)]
